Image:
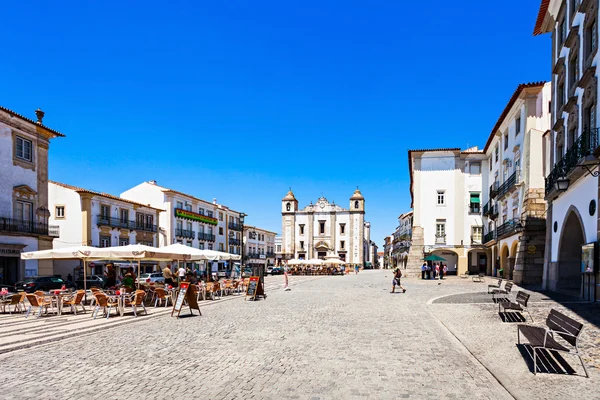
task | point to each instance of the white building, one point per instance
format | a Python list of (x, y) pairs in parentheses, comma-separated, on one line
[(445, 187), (278, 249), (388, 248), (324, 229), (24, 211), (259, 247), (91, 218), (572, 147), (514, 210), (192, 221), (402, 240)]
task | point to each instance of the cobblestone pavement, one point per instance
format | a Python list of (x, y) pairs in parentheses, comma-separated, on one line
[(328, 338)]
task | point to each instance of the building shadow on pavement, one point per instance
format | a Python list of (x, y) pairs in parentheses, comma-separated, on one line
[(548, 361)]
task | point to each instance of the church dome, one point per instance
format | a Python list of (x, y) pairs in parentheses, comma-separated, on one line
[(289, 196), (357, 195)]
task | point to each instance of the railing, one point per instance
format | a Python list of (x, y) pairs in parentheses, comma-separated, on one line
[(493, 213), (235, 242), (26, 227), (488, 237), (235, 227), (486, 208), (508, 184), (508, 227), (125, 224), (270, 254), (476, 239), (494, 189), (206, 237), (440, 239), (185, 233), (585, 145), (253, 255)]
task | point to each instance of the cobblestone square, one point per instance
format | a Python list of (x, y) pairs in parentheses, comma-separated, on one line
[(329, 337)]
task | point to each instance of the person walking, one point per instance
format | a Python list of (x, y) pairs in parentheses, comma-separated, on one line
[(181, 272), (356, 269), (436, 271), (444, 270), (423, 269), (396, 281)]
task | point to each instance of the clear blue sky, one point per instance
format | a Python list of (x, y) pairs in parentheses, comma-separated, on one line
[(240, 100)]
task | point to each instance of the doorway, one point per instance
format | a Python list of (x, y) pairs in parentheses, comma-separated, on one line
[(569, 255), (9, 270)]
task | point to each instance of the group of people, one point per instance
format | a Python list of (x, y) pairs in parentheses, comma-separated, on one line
[(127, 280), (433, 271)]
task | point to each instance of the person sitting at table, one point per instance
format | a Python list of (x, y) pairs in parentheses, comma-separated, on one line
[(191, 278), (129, 281)]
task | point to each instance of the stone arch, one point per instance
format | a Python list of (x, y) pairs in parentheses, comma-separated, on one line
[(509, 271), (451, 259), (572, 237), (478, 261)]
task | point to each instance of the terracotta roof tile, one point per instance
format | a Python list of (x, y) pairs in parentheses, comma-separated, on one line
[(57, 133), (509, 105), (537, 30), (110, 196)]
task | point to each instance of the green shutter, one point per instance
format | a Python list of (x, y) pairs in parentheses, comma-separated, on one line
[(475, 198)]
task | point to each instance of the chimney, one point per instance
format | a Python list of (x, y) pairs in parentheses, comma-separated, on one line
[(214, 200), (40, 115), (152, 182)]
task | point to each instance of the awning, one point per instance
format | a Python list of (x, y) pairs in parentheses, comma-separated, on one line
[(475, 198)]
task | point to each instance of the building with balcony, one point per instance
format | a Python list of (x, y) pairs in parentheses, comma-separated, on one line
[(388, 247), (259, 247), (324, 229), (514, 208), (191, 221), (402, 240), (278, 249), (571, 146), (90, 218), (24, 212), (446, 189)]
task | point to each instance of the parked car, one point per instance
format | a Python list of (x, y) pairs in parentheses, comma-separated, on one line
[(277, 271), (45, 283), (269, 270), (151, 277), (91, 281), (247, 272)]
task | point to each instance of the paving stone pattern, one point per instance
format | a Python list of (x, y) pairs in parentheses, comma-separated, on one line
[(329, 338)]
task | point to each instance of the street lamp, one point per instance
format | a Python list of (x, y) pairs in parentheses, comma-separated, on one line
[(242, 216)]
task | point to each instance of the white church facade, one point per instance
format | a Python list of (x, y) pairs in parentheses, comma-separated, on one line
[(323, 230)]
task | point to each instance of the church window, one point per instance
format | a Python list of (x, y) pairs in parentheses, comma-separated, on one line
[(356, 204), (302, 229), (322, 227), (288, 206)]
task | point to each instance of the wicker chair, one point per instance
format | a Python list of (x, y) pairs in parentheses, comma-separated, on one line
[(161, 296), (102, 301), (15, 301), (74, 300), (136, 300), (40, 302)]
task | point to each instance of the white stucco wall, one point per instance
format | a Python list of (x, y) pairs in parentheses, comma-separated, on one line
[(70, 226), (579, 195)]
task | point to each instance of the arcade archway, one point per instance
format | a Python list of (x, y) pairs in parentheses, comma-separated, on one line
[(569, 254)]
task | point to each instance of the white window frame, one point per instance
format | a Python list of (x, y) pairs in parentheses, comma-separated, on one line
[(21, 142), (441, 198), (59, 212)]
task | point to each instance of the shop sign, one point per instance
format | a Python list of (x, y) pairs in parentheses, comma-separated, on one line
[(262, 256), (531, 249), (16, 252), (195, 217)]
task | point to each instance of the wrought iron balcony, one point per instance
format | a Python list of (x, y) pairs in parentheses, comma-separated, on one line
[(206, 237), (253, 255), (10, 225), (494, 189), (440, 239), (509, 227), (488, 237), (493, 213), (508, 184), (476, 239), (125, 224), (270, 254), (235, 227), (184, 233), (486, 209), (235, 242), (584, 146)]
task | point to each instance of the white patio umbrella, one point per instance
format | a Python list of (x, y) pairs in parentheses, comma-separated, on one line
[(334, 261), (295, 261), (314, 261), (83, 253), (199, 254)]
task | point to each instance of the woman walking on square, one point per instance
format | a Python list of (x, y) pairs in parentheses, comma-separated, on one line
[(396, 281)]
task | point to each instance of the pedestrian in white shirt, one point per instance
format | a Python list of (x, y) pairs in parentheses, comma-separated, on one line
[(181, 274)]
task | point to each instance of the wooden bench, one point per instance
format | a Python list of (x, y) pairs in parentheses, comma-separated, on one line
[(504, 292), (480, 277), (519, 305), (496, 286), (540, 337)]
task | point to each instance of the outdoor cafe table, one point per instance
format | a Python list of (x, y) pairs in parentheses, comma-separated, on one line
[(119, 298), (56, 296)]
